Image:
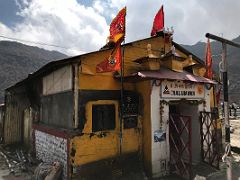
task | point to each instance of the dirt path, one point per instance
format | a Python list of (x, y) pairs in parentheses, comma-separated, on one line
[(235, 136)]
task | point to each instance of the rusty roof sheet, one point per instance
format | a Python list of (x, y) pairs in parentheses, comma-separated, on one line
[(165, 73)]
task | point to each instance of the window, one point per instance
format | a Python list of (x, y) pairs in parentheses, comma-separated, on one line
[(103, 117)]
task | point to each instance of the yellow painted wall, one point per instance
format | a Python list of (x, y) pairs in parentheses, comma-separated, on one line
[(144, 88), (132, 138), (95, 146), (90, 80), (91, 147), (94, 149), (105, 81)]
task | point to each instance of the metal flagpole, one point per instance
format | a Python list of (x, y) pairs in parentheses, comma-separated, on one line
[(122, 89), (122, 94), (227, 156), (225, 93), (226, 112)]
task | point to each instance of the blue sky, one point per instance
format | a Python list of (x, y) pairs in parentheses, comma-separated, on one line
[(8, 11), (83, 25)]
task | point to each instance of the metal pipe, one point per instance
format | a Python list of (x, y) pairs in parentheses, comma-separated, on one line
[(224, 70), (223, 40), (226, 111), (121, 105), (225, 94)]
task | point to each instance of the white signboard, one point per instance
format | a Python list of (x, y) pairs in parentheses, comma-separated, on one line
[(180, 89)]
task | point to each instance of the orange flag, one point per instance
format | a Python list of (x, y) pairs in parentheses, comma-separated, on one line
[(209, 73), (117, 27), (117, 34), (112, 63), (158, 23)]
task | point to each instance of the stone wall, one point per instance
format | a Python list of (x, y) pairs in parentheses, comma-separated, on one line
[(50, 148)]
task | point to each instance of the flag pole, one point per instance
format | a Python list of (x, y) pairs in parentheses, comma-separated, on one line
[(122, 90), (164, 39), (122, 95)]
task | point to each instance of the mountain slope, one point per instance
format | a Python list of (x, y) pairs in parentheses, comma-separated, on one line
[(18, 60), (233, 60)]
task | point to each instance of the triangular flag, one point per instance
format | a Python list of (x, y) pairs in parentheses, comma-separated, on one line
[(112, 63), (158, 23), (117, 27), (209, 73)]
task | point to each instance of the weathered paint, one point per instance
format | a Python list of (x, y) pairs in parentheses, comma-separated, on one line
[(2, 113), (17, 99), (58, 81), (90, 146), (160, 150), (57, 109), (16, 102), (103, 81), (132, 139), (76, 94), (27, 124), (144, 89), (98, 82), (95, 146), (207, 106)]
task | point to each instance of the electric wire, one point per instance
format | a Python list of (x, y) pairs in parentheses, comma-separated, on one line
[(35, 42)]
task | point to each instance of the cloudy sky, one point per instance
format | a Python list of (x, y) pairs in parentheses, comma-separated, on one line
[(82, 25)]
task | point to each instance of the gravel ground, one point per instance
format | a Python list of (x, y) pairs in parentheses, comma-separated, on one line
[(235, 143), (202, 172), (235, 136)]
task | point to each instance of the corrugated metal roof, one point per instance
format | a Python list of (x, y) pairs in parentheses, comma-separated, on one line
[(165, 73)]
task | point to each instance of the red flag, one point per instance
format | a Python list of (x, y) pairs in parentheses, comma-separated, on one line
[(112, 63), (117, 27), (209, 73), (158, 23)]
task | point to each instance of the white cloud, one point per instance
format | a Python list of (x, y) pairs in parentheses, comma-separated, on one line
[(97, 5), (191, 19), (85, 28), (65, 23)]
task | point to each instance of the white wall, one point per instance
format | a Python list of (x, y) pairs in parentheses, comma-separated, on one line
[(58, 81), (160, 150)]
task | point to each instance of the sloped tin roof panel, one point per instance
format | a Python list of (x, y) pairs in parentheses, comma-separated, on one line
[(168, 74)]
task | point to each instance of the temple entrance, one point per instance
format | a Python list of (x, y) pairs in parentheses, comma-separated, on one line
[(185, 146)]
